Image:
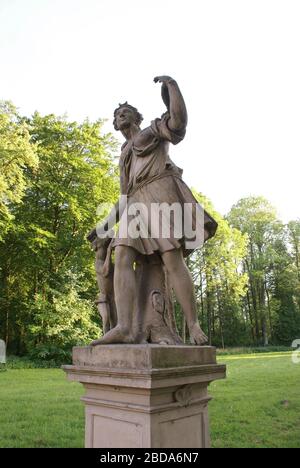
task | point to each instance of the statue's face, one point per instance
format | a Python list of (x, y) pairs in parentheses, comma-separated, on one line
[(125, 117)]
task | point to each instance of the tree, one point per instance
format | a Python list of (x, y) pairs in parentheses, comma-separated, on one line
[(219, 281), (286, 286), (293, 229), (63, 321), (47, 244), (17, 155), (269, 268)]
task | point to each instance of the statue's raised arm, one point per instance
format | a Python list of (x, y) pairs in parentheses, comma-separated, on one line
[(174, 102)]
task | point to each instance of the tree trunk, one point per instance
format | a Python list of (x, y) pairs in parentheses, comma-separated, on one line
[(183, 335), (208, 295), (220, 313), (250, 317), (269, 310), (255, 299), (201, 300)]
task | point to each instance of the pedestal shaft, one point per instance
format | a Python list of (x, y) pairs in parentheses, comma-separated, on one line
[(146, 396)]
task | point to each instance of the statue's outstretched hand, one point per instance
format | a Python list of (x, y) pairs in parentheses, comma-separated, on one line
[(164, 79)]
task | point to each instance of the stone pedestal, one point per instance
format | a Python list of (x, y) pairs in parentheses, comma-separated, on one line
[(146, 396)]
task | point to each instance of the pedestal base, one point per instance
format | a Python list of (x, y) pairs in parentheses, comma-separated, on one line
[(146, 396)]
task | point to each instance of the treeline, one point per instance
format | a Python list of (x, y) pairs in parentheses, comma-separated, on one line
[(53, 175), (248, 277)]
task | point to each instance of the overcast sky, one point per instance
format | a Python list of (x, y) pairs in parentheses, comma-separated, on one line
[(236, 61)]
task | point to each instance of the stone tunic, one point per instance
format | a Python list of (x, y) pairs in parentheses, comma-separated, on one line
[(148, 176)]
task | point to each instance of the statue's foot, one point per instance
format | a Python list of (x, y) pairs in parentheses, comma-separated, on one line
[(197, 335), (141, 337), (114, 336)]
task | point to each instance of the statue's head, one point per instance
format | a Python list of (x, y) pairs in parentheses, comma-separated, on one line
[(158, 301), (101, 244), (125, 116)]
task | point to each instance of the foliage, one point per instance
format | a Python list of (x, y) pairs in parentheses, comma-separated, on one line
[(253, 350), (47, 274), (271, 305), (219, 282), (57, 359), (17, 155), (61, 323)]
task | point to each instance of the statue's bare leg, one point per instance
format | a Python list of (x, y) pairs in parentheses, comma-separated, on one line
[(125, 298), (104, 312), (182, 283)]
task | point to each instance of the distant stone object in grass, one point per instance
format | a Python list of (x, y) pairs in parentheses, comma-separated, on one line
[(2, 352), (2, 355), (285, 403)]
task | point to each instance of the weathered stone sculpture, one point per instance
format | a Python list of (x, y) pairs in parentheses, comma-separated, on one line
[(105, 271), (2, 352), (149, 177), (158, 321), (144, 389), (158, 329)]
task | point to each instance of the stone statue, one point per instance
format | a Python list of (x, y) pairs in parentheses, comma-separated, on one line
[(2, 352), (147, 266), (105, 279), (158, 329)]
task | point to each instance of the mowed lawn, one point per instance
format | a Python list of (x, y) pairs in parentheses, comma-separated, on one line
[(258, 405)]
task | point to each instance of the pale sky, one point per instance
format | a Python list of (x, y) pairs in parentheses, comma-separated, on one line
[(236, 62)]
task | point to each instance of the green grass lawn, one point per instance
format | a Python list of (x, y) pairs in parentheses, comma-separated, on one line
[(258, 405)]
